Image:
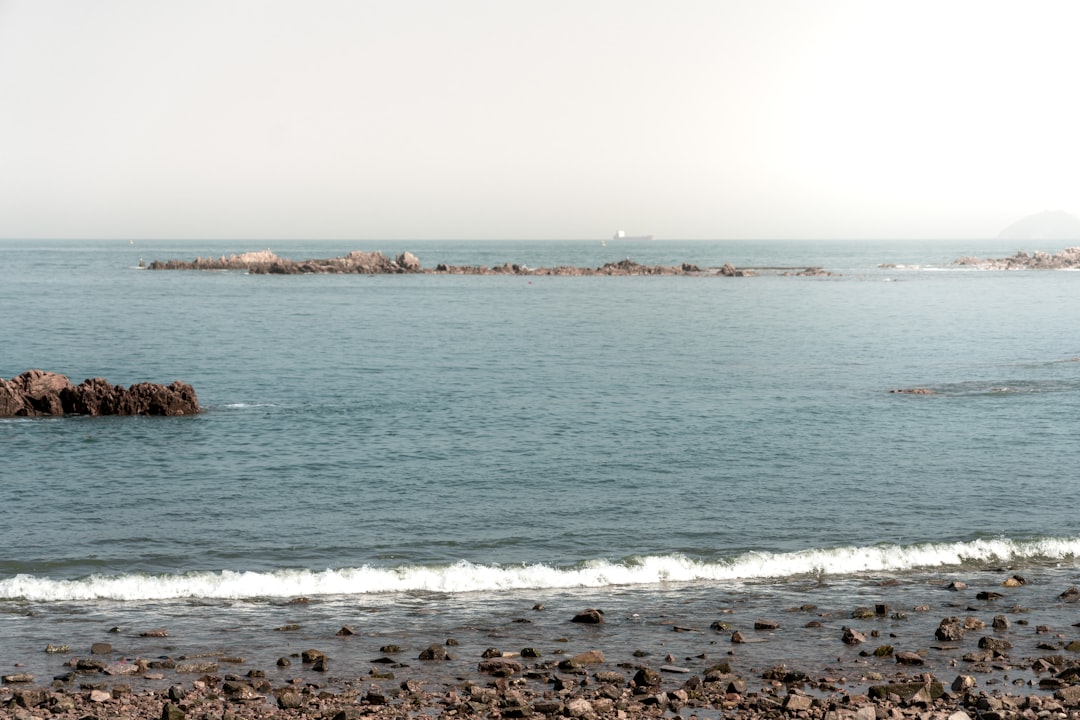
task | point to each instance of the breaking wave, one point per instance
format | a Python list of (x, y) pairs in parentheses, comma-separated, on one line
[(464, 577)]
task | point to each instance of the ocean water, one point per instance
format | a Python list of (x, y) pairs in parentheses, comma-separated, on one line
[(415, 450)]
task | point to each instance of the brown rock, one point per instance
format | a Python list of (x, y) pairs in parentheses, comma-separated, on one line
[(950, 629), (37, 393), (853, 637), (434, 652), (589, 616), (499, 667)]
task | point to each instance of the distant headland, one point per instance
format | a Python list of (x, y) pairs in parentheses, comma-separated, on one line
[(265, 262), (1048, 225)]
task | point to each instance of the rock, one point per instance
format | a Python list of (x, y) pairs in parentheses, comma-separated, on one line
[(589, 657), (18, 678), (122, 668), (914, 692), (956, 586), (963, 683), (589, 616), (987, 595), (909, 658), (795, 703), (995, 644), (647, 677), (100, 648), (434, 652), (1015, 581), (375, 263), (171, 712), (100, 696), (289, 699), (157, 632), (1069, 695), (39, 393), (1001, 622), (1070, 595), (738, 638), (409, 262), (311, 655), (766, 625), (913, 391), (853, 637), (57, 648), (499, 667), (950, 629)]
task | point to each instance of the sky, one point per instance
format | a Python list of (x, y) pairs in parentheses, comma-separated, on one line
[(519, 119)]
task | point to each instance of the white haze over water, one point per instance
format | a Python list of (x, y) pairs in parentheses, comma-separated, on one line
[(415, 119), (465, 577)]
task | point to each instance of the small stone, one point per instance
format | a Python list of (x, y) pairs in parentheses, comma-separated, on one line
[(157, 632), (171, 712), (289, 699), (795, 703), (346, 630), (766, 625), (1002, 623), (57, 648), (434, 652), (909, 658), (853, 637), (18, 678), (994, 644), (956, 586), (589, 616), (310, 656), (737, 637), (100, 648)]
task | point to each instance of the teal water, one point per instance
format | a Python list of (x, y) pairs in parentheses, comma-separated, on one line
[(395, 423), (427, 456)]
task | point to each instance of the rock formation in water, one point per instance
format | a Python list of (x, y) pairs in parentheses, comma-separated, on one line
[(375, 263), (40, 393), (1067, 259)]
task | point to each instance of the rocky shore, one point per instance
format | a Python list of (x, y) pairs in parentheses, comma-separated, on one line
[(265, 262), (1067, 259), (38, 393), (880, 663)]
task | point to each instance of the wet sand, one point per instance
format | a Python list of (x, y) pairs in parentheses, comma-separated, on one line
[(998, 647)]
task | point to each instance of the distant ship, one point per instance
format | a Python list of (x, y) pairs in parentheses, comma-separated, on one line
[(621, 235)]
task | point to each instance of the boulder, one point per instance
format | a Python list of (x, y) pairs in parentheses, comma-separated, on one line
[(38, 393), (589, 616)]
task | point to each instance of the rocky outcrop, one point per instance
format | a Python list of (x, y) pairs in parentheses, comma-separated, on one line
[(266, 262), (40, 393), (1067, 259)]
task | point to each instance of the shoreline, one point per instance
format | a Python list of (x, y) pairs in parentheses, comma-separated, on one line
[(1000, 645)]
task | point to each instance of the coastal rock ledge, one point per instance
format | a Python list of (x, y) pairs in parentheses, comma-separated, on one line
[(38, 393), (265, 262)]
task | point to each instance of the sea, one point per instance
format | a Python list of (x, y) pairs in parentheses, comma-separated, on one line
[(426, 457)]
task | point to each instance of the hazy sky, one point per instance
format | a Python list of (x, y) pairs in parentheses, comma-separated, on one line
[(412, 119)]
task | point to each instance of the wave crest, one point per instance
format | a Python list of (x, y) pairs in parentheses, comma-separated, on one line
[(463, 577)]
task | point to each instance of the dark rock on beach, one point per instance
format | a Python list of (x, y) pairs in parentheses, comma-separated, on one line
[(265, 262), (40, 393)]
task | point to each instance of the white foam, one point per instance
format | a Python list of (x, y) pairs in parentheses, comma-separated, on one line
[(463, 577)]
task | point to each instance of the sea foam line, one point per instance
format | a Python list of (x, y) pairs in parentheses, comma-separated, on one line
[(463, 577)]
